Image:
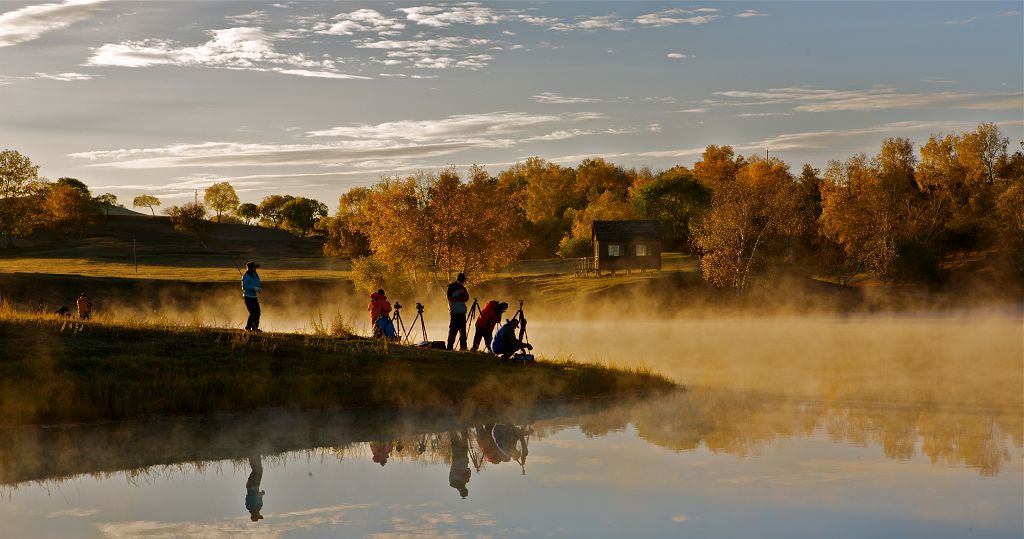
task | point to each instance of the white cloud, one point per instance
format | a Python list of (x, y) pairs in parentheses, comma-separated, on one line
[(241, 48), (65, 77), (746, 14), (809, 99), (73, 513), (676, 55), (680, 518), (762, 114), (968, 20), (671, 17), (453, 128), (253, 17), (691, 111), (30, 22), (1011, 13), (440, 17), (361, 20), (603, 22), (554, 98), (459, 52)]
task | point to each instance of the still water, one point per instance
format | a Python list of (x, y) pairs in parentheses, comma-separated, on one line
[(909, 427)]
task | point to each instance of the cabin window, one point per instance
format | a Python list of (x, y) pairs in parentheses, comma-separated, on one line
[(614, 250), (642, 250)]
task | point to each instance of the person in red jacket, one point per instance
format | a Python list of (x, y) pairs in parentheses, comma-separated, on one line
[(379, 306), (489, 317)]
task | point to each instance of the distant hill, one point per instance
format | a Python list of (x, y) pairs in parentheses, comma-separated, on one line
[(121, 210), (112, 236)]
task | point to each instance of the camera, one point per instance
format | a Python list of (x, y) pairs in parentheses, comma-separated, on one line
[(419, 307), (398, 305)]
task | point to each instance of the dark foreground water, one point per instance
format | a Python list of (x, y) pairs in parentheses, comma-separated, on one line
[(705, 463)]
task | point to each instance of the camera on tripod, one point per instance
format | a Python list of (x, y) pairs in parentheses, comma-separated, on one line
[(419, 307), (398, 305)]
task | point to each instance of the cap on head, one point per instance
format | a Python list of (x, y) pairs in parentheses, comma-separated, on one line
[(461, 278), (251, 265), (381, 291), (503, 306)]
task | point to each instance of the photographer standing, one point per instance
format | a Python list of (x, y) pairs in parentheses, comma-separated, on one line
[(457, 298), (250, 288)]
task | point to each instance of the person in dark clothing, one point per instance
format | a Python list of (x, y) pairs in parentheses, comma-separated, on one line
[(506, 343), (250, 288), (489, 317), (459, 473), (63, 312), (253, 494), (457, 298)]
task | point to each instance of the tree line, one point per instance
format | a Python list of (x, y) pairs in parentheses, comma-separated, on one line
[(896, 215)]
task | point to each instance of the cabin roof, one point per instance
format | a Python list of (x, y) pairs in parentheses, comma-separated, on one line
[(626, 230)]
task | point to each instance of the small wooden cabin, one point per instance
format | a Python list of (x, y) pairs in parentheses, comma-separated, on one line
[(626, 245)]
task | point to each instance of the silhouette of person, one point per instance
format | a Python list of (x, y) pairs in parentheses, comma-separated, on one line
[(253, 494), (381, 451), (459, 474)]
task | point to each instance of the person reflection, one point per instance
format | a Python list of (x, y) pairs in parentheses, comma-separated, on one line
[(253, 494), (503, 443), (459, 474), (381, 451)]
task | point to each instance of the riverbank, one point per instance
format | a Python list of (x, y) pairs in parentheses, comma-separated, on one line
[(59, 371)]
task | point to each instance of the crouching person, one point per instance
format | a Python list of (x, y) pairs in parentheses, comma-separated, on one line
[(379, 307), (506, 343)]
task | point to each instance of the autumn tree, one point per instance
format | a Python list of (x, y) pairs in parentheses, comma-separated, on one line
[(221, 197), (190, 218), (302, 214), (746, 213), (146, 201), (607, 207), (67, 208), (717, 165), (75, 184), (595, 176), (106, 201), (271, 209), (248, 212), (346, 232), (676, 199), (19, 186), (543, 191)]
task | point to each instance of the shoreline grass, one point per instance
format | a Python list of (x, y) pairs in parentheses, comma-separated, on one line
[(55, 370)]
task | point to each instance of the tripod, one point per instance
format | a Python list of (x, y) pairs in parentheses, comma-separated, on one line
[(474, 311), (522, 323), (423, 326), (396, 320)]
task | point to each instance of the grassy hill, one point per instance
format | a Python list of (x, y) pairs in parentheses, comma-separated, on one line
[(110, 248)]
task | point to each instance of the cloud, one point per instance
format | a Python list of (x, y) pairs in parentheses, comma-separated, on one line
[(253, 17), (453, 128), (680, 518), (361, 20), (553, 98), (64, 77), (241, 48), (746, 14), (29, 23), (1011, 13), (962, 21), (808, 99), (676, 55), (603, 22), (74, 513), (441, 17), (458, 52), (671, 17), (691, 111), (762, 114)]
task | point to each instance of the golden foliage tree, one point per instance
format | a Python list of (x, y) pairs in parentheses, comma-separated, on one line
[(67, 209), (19, 185), (746, 212), (222, 198)]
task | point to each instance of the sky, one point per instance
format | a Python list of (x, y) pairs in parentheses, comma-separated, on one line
[(314, 98)]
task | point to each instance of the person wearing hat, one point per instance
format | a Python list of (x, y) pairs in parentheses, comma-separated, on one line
[(253, 494), (489, 317), (506, 343), (457, 298), (250, 288)]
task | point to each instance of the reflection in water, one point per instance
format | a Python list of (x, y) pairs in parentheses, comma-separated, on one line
[(253, 494), (459, 472), (613, 447)]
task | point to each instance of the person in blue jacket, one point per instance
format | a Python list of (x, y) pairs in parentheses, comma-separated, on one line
[(250, 288), (506, 343)]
